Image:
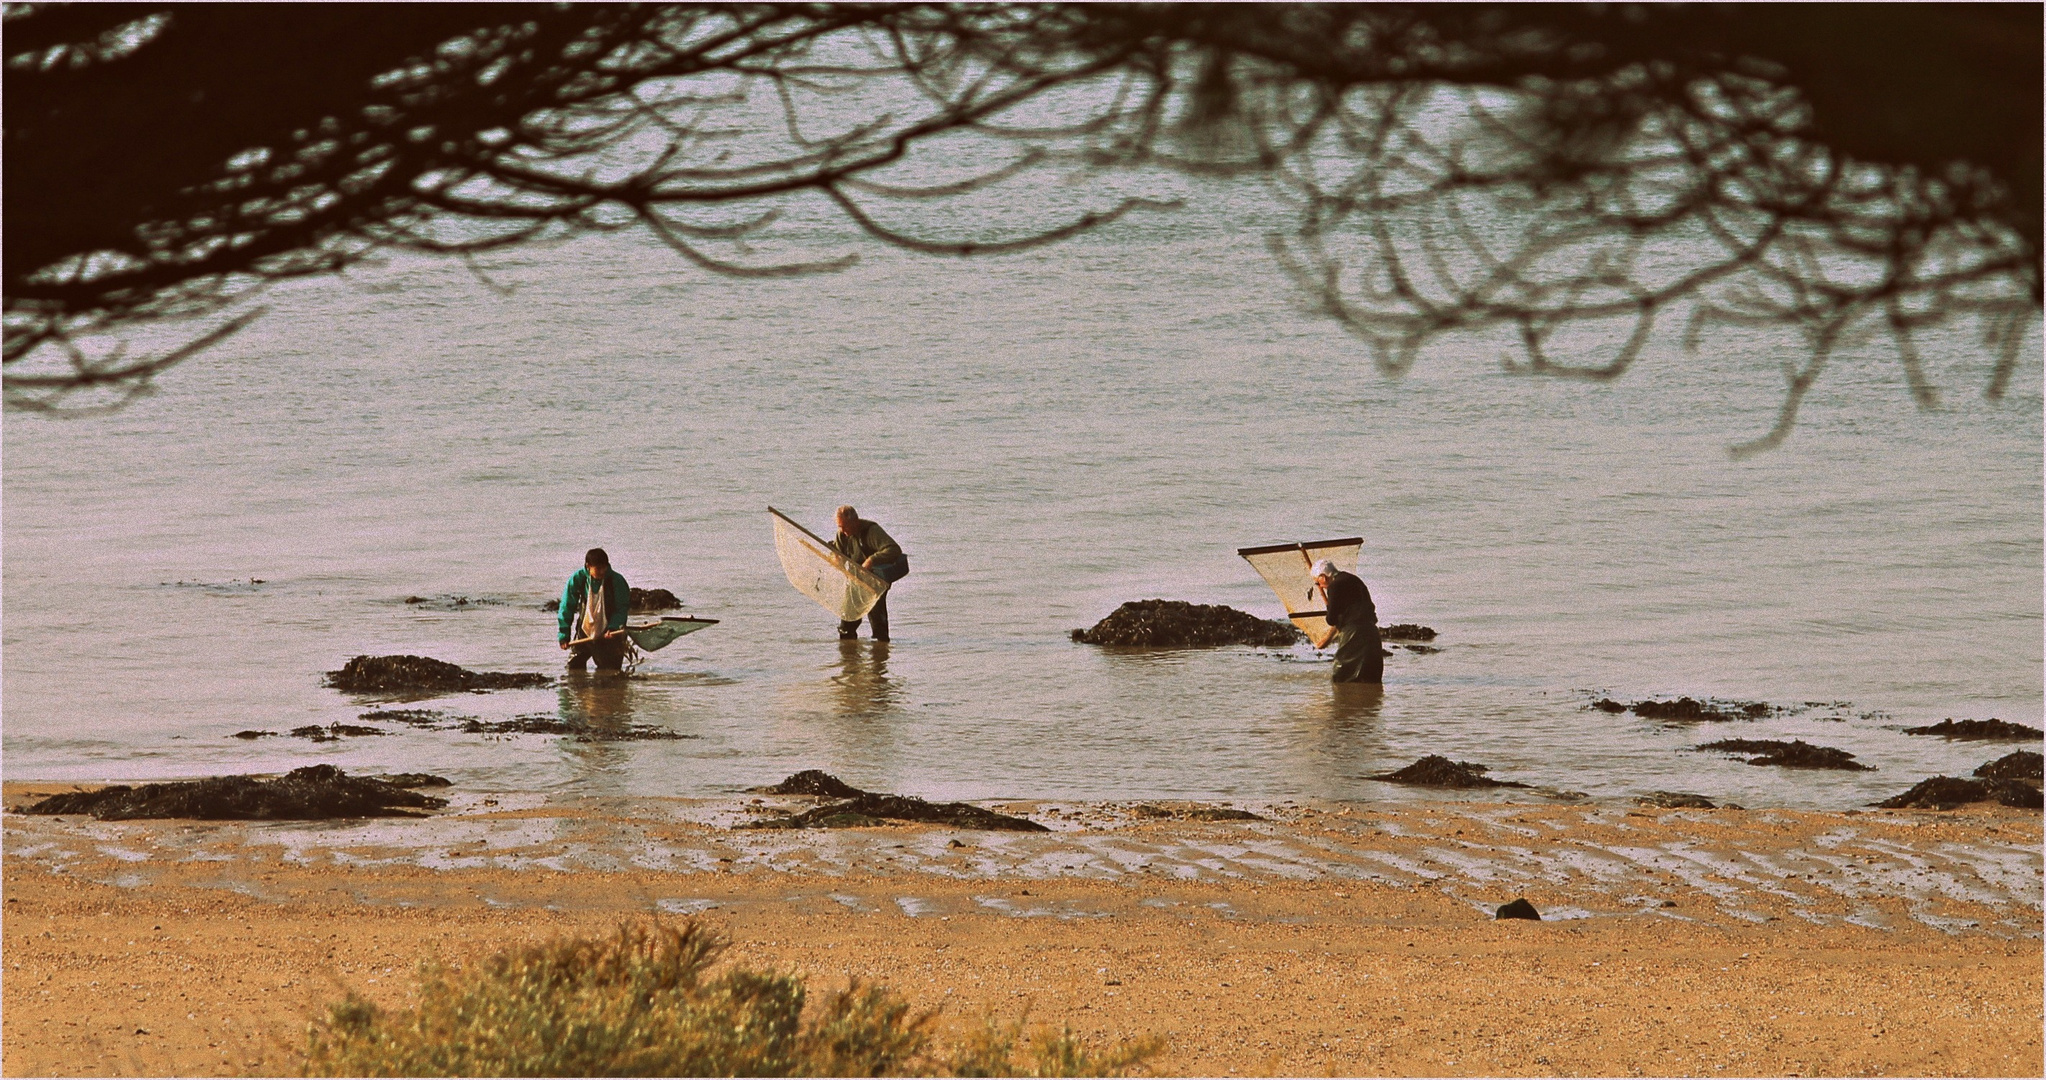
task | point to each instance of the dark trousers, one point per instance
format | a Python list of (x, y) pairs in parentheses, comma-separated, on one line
[(609, 652), (877, 619), (1359, 658)]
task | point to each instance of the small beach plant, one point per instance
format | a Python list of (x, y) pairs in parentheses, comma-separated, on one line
[(645, 1001)]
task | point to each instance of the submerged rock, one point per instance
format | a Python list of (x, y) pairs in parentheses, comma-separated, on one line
[(547, 724), (1176, 624), (311, 793), (416, 780), (1406, 631), (1794, 754), (1948, 792), (1679, 800), (640, 602), (451, 603), (1438, 771), (252, 733), (406, 674), (1686, 709), (423, 718), (868, 808), (1518, 909), (2016, 765), (334, 732), (814, 782), (1991, 730)]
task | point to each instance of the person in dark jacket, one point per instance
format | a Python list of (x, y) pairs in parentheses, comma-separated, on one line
[(1354, 619), (591, 619), (869, 545)]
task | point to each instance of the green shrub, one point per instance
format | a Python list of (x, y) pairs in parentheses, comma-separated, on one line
[(644, 1003)]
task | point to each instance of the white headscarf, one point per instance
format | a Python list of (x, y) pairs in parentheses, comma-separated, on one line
[(1322, 568)]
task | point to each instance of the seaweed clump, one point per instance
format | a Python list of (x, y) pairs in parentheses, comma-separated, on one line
[(403, 674), (1948, 792), (2016, 765), (545, 724), (1438, 771), (1687, 709), (861, 808), (639, 601), (1406, 631), (1176, 624), (1991, 730), (1679, 800), (312, 793), (1794, 754)]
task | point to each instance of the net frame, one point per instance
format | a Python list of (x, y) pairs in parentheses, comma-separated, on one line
[(836, 583), (1284, 567)]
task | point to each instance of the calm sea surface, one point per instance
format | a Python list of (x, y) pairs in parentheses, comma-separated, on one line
[(1048, 434)]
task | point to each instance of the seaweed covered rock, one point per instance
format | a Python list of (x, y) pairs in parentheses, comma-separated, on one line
[(312, 793), (814, 782), (1176, 624), (1687, 709), (416, 780), (1794, 754), (334, 732), (869, 808), (1948, 792), (1678, 800), (639, 601), (1406, 631), (422, 674), (1194, 813), (1991, 730), (1438, 771), (2016, 765)]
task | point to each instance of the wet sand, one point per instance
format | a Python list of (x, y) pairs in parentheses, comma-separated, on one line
[(1326, 939)]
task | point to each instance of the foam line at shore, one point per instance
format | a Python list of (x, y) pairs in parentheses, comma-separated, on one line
[(1975, 871)]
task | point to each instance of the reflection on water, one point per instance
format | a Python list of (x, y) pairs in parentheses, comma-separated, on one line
[(862, 689), (602, 702), (1338, 736)]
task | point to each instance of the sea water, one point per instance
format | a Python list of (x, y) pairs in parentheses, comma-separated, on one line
[(1048, 434)]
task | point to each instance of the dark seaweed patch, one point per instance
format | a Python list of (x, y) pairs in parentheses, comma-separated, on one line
[(412, 674), (1991, 730), (1689, 709), (869, 808), (252, 733), (311, 793), (1679, 800), (1794, 754), (640, 602), (1406, 631), (2016, 765), (416, 780), (1948, 792), (547, 724), (1438, 771), (814, 782), (1176, 624)]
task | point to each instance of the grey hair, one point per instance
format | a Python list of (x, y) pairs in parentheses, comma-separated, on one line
[(1322, 568), (845, 511)]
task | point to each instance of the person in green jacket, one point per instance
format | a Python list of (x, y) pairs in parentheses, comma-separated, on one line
[(592, 614), (869, 545)]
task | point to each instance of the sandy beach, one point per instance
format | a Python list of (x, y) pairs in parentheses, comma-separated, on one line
[(1326, 939)]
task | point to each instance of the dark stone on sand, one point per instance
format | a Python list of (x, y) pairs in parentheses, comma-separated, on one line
[(2016, 765), (1991, 730), (1794, 754), (814, 782), (546, 724), (1518, 909), (252, 733), (869, 808), (410, 674), (1685, 708), (1406, 631), (308, 794), (1176, 624), (1438, 771), (1948, 792), (416, 780), (1677, 800)]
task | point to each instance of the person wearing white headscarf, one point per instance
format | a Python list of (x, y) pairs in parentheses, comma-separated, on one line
[(1353, 620)]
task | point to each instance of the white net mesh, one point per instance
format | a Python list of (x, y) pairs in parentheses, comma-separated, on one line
[(1285, 568), (822, 574)]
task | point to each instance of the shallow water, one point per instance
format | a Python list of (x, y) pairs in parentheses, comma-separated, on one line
[(1048, 435)]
